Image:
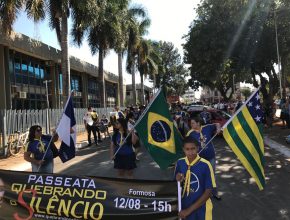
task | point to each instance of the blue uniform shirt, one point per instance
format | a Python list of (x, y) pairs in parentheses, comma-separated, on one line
[(38, 148), (207, 133), (127, 148), (202, 178)]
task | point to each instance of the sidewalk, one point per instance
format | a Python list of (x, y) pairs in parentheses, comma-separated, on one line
[(19, 164), (277, 133)]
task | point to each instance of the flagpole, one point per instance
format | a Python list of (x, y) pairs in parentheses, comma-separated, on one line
[(140, 118), (239, 110), (229, 121), (55, 132), (179, 196), (208, 142)]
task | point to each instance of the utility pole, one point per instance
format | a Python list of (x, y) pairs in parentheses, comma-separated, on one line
[(278, 56), (234, 84), (47, 106)]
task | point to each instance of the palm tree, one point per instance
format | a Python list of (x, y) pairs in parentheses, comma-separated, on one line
[(146, 60), (58, 12), (102, 33), (126, 20), (136, 31), (9, 11)]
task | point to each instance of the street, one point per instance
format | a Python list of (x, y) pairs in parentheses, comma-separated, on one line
[(241, 198)]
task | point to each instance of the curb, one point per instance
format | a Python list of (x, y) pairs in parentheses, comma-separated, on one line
[(276, 146)]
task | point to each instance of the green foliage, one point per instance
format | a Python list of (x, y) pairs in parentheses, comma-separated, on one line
[(171, 71), (237, 38), (246, 93)]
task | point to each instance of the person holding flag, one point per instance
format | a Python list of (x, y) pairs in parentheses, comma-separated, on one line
[(197, 177), (203, 134), (121, 149), (40, 150)]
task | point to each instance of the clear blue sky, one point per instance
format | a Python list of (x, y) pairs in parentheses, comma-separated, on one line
[(170, 20)]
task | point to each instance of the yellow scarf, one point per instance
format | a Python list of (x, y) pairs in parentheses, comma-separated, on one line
[(121, 139), (186, 186), (41, 146)]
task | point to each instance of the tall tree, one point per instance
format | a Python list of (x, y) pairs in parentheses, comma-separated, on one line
[(146, 64), (126, 19), (102, 34), (137, 29), (237, 37), (171, 71), (58, 13)]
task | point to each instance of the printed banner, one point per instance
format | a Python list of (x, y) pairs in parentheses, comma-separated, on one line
[(25, 196)]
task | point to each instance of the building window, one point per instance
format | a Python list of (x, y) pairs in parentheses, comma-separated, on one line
[(94, 95), (76, 83), (111, 94), (27, 75)]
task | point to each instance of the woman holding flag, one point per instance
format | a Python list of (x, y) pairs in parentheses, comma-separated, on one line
[(121, 149), (38, 152)]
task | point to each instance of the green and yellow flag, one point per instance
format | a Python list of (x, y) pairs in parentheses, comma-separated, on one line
[(158, 134), (243, 133)]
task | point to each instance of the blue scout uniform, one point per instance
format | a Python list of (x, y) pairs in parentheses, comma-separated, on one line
[(200, 177), (38, 148), (125, 158), (203, 137)]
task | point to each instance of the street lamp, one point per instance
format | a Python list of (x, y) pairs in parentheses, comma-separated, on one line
[(47, 105), (278, 56)]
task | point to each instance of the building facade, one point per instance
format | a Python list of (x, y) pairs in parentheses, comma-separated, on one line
[(24, 66), (129, 94), (209, 96), (189, 96)]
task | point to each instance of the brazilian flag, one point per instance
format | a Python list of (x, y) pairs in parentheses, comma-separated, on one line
[(158, 134)]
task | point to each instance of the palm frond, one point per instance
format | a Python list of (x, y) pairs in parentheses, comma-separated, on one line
[(55, 16), (35, 9), (9, 10)]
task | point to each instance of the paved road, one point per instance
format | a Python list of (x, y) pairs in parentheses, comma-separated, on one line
[(241, 198)]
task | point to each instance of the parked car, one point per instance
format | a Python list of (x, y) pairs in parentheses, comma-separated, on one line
[(217, 116), (197, 108)]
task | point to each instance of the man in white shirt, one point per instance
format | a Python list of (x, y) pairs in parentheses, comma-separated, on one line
[(89, 125)]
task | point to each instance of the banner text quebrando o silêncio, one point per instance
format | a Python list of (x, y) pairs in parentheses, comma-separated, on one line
[(51, 196)]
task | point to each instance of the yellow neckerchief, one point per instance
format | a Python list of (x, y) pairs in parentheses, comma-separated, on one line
[(121, 139), (201, 138), (41, 148), (186, 186)]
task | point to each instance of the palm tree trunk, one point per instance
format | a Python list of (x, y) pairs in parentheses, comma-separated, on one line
[(102, 78), (65, 64), (134, 84), (142, 89), (120, 57)]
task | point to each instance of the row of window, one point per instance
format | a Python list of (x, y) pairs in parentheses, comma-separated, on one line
[(28, 74)]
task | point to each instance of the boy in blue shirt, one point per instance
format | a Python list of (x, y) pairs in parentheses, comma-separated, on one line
[(197, 177), (203, 134)]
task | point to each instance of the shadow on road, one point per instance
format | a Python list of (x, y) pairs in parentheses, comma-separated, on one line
[(242, 199)]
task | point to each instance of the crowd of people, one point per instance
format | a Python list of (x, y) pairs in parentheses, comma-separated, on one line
[(198, 149)]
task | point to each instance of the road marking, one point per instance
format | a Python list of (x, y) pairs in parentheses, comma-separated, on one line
[(278, 147)]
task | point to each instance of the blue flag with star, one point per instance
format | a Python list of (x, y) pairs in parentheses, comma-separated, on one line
[(243, 133)]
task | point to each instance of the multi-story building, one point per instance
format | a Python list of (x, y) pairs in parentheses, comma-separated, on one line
[(24, 66), (129, 94), (189, 96), (210, 96)]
